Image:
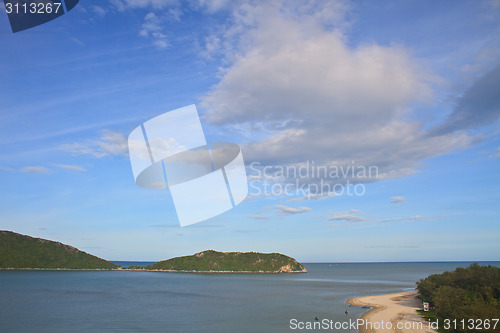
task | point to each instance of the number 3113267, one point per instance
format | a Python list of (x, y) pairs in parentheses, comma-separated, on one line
[(32, 8)]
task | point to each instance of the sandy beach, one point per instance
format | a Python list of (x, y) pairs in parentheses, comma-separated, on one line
[(392, 313)]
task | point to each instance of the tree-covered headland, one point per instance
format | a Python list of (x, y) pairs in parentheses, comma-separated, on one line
[(471, 293)]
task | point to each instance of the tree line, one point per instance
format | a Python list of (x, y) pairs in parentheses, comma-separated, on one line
[(470, 293)]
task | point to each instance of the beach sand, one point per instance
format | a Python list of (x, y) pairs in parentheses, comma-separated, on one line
[(399, 310)]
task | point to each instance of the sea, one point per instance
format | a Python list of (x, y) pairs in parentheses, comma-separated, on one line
[(128, 301)]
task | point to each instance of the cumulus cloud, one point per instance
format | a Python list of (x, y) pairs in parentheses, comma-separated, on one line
[(298, 90), (35, 169), (110, 143), (315, 97), (290, 210)]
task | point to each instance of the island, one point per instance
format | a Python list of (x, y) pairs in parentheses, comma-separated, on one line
[(211, 261), (24, 252)]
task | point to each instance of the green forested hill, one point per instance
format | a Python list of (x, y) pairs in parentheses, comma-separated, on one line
[(231, 262), (466, 294), (20, 251)]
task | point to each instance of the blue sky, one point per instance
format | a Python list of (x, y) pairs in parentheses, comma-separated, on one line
[(410, 87)]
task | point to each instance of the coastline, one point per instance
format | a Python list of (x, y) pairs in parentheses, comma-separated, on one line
[(150, 270), (391, 313)]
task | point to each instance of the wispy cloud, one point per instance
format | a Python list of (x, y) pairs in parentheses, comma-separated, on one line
[(391, 247), (163, 226), (152, 28), (348, 216), (496, 153), (35, 169), (312, 196), (414, 218), (398, 199), (246, 231), (352, 217), (70, 130), (478, 106), (100, 11), (290, 210), (110, 143), (124, 4), (71, 167), (259, 217)]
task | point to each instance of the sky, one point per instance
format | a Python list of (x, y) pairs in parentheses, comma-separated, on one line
[(398, 100)]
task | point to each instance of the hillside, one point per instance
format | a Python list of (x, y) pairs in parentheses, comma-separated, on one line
[(21, 251), (213, 261), (464, 295)]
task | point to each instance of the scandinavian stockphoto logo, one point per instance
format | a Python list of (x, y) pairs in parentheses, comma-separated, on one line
[(26, 14), (170, 151)]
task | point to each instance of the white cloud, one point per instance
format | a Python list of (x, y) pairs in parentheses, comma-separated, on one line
[(290, 210), (100, 11), (414, 218), (124, 4), (398, 199), (348, 216), (259, 217), (35, 169), (152, 28), (391, 247), (312, 196), (71, 167), (108, 144), (212, 46), (317, 98), (175, 13)]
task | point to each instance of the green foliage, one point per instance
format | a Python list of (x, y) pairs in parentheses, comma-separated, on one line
[(229, 261), (466, 293), (20, 251)]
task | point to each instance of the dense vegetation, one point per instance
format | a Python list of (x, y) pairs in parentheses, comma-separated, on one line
[(466, 293), (20, 251), (231, 261)]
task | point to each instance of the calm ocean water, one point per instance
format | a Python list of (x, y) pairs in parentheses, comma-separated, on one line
[(114, 301)]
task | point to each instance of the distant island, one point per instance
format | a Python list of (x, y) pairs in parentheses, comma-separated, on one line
[(24, 252), (211, 261)]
